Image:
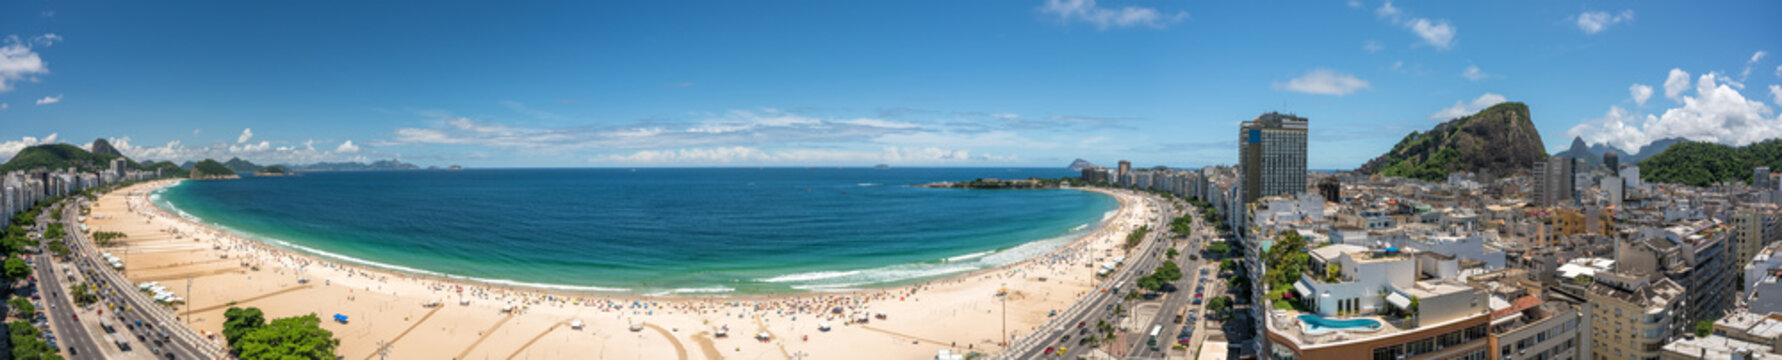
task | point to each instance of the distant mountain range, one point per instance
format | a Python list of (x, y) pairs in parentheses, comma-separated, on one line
[(1594, 153), (1501, 139), (244, 166), (1703, 164)]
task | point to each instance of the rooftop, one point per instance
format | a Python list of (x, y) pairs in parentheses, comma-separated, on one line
[(1719, 347)]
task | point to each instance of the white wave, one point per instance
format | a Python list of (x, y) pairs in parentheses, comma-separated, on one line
[(802, 277), (701, 290), (1110, 214), (868, 184), (970, 256), (1079, 228)]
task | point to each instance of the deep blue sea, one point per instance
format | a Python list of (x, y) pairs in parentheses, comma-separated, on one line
[(653, 231)]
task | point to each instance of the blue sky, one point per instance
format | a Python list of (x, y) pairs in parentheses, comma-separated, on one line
[(914, 83)]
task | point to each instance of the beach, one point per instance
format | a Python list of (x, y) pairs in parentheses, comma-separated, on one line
[(479, 320)]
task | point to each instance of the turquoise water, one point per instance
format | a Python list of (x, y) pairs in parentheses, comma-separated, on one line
[(1316, 324), (654, 231)]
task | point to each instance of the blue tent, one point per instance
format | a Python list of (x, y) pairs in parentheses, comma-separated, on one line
[(341, 318)]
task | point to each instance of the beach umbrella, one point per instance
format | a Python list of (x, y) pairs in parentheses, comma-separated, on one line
[(341, 318)]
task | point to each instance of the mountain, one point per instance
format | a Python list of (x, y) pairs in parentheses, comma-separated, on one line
[(241, 166), (1080, 165), (188, 164), (211, 169), (100, 146), (1703, 164), (61, 156), (1594, 153), (357, 166), (168, 168), (1501, 139)]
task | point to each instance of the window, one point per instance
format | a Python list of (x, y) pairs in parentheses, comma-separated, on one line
[(1387, 353)]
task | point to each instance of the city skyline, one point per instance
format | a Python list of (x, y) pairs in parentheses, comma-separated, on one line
[(909, 84)]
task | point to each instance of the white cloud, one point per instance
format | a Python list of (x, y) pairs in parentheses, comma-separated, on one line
[(1354, 3), (1473, 73), (263, 152), (246, 133), (46, 40), (49, 100), (1372, 46), (1438, 32), (1716, 113), (19, 62), (734, 128), (1593, 22), (3, 106), (753, 155), (1324, 82), (1779, 71), (1640, 93), (1468, 108), (1386, 10), (1755, 57), (1675, 83), (344, 148), (10, 148), (1435, 32), (1776, 94), (1104, 18)]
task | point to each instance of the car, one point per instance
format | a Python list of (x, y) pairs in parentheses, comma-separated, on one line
[(71, 350), (1082, 324), (1048, 350), (75, 316)]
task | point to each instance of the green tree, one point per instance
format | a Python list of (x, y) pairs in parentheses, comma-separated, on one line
[(289, 338), (83, 294), (1171, 253), (1218, 305), (15, 269), (238, 322), (21, 307), (1704, 328), (1227, 265)]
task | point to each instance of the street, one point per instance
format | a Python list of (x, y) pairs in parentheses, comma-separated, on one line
[(160, 335)]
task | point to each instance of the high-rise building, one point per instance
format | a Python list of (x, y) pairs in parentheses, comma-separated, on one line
[(1125, 168), (1553, 181), (1631, 317), (1272, 156), (1612, 161), (1760, 178)]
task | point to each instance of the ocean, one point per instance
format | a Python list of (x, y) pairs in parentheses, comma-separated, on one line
[(704, 231)]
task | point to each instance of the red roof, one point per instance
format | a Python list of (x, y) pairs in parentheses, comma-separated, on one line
[(1522, 303)]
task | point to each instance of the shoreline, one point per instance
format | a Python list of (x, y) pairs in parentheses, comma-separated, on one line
[(1075, 236), (388, 305)]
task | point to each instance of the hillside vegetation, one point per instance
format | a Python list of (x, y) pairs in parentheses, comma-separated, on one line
[(1703, 164), (1501, 139)]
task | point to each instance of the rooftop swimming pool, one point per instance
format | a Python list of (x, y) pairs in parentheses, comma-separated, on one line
[(1314, 324)]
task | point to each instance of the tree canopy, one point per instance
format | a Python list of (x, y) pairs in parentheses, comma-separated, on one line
[(1703, 164), (252, 338)]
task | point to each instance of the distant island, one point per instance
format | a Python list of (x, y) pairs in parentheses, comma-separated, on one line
[(1029, 183), (275, 170), (881, 166), (212, 170)]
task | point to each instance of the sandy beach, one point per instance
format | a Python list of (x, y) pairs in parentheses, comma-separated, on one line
[(483, 321)]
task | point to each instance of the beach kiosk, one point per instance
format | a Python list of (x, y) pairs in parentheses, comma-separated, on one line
[(764, 336)]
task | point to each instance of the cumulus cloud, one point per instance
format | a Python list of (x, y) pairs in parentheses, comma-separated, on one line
[(1468, 108), (19, 62), (12, 147), (1593, 22), (1372, 46), (1675, 83), (1640, 93), (3, 106), (246, 133), (1104, 18), (1435, 32), (1776, 94), (344, 148), (1324, 82), (263, 152), (1717, 113), (1354, 3), (1473, 73), (754, 155), (49, 100)]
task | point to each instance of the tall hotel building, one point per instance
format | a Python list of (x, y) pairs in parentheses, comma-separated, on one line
[(1272, 156)]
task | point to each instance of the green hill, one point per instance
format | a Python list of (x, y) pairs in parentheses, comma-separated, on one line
[(61, 156), (168, 168), (208, 168), (1501, 139), (241, 166), (1703, 164)]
